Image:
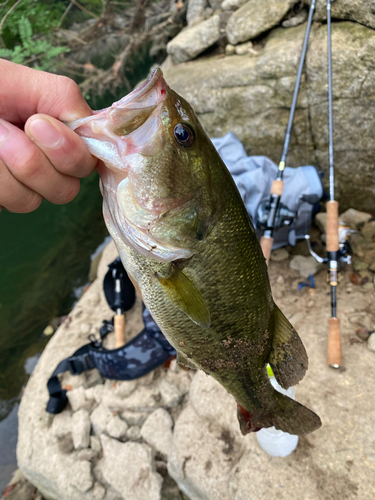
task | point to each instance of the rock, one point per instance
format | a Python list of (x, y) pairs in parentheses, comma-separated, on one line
[(81, 477), (134, 417), (65, 444), (368, 230), (230, 50), (157, 431), (203, 457), (253, 19), (252, 98), (305, 265), (371, 267), (128, 468), (359, 266), (295, 20), (321, 221), (280, 280), (243, 48), (62, 424), (116, 427), (363, 334), (86, 454), (134, 433), (208, 11), (232, 4), (279, 255), (81, 427), (354, 218), (371, 342), (77, 399), (192, 41), (215, 4), (361, 11), (95, 444), (195, 10), (170, 394), (100, 418), (98, 491)]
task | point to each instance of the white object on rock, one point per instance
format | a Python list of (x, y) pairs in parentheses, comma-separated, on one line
[(192, 41), (170, 394), (81, 427), (157, 431), (273, 441), (129, 469)]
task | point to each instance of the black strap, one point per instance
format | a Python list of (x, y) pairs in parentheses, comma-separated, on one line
[(144, 353)]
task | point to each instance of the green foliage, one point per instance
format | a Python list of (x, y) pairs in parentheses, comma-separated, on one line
[(32, 49), (27, 31)]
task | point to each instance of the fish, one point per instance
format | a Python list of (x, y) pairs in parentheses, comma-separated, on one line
[(188, 245)]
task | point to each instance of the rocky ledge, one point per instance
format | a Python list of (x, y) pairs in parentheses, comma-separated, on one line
[(173, 434)]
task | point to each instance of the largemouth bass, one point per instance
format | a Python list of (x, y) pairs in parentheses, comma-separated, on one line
[(187, 243)]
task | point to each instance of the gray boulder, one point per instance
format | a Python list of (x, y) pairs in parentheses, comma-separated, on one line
[(255, 18), (192, 41), (361, 11)]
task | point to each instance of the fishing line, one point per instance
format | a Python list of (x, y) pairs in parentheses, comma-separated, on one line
[(278, 184)]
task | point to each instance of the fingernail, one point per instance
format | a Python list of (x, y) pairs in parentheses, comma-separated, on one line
[(4, 132), (44, 133)]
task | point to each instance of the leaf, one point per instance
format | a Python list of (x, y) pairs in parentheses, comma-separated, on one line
[(25, 30), (6, 52)]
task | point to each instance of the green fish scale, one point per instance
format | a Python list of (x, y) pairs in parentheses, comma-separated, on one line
[(229, 271)]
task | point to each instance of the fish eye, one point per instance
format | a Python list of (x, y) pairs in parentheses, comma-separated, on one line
[(183, 134)]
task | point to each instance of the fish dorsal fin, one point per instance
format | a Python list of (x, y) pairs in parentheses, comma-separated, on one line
[(184, 361), (287, 357), (183, 294)]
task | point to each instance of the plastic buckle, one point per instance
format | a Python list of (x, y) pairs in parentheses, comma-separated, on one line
[(94, 341), (79, 364)]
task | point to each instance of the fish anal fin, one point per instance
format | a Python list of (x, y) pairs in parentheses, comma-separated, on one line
[(184, 361), (288, 358), (184, 295)]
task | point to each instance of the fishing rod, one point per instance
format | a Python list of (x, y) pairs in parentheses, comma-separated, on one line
[(334, 356), (277, 187)]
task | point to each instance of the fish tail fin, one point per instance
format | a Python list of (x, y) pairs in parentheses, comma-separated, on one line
[(287, 357), (287, 415)]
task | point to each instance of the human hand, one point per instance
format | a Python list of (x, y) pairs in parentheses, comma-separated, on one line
[(40, 157)]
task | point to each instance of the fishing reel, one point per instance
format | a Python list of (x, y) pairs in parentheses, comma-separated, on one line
[(284, 216), (345, 250)]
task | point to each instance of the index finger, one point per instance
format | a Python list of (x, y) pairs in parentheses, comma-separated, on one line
[(25, 91)]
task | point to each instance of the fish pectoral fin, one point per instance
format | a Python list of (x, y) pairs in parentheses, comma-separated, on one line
[(184, 295), (288, 358), (184, 361)]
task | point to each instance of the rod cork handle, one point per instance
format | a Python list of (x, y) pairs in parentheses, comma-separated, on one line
[(332, 226), (334, 355), (266, 244), (119, 325), (277, 187)]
